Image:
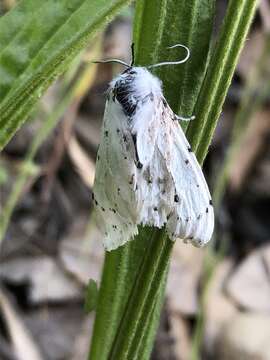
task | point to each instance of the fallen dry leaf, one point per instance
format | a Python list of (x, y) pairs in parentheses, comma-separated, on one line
[(183, 280), (249, 285), (48, 282), (252, 143)]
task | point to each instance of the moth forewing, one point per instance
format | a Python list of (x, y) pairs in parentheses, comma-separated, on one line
[(113, 193)]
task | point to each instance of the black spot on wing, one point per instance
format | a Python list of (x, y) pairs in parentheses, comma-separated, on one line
[(164, 102), (131, 181), (138, 164)]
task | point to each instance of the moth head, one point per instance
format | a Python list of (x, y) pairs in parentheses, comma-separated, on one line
[(137, 81)]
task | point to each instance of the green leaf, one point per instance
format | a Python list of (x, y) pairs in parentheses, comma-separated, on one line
[(41, 42), (15, 19), (186, 22), (219, 74), (91, 296)]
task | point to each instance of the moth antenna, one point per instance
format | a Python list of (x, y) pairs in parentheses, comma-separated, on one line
[(132, 55), (117, 61), (173, 62)]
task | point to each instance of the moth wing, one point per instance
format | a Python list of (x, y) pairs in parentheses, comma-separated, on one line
[(193, 216), (145, 128), (114, 183)]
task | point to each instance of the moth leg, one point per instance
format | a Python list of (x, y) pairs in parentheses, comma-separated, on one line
[(181, 118)]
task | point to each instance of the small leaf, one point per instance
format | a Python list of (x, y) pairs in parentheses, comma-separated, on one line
[(188, 22), (91, 296)]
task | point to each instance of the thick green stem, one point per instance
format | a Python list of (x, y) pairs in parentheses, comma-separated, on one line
[(134, 324), (121, 268), (255, 93), (220, 71)]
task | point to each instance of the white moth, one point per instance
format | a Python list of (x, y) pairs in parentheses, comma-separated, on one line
[(146, 172)]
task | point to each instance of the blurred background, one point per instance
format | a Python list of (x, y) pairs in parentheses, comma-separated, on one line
[(218, 298)]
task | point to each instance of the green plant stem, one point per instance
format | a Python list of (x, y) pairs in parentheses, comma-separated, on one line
[(219, 74), (143, 298), (120, 270), (237, 22), (255, 93), (151, 323)]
